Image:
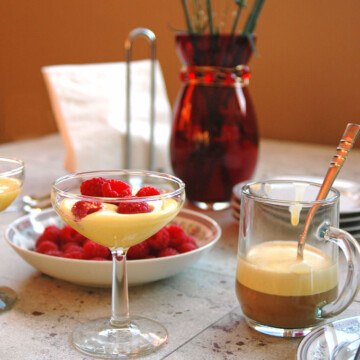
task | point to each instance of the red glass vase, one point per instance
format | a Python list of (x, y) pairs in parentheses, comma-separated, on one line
[(214, 139)]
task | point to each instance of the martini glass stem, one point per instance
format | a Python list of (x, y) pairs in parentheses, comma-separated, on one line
[(120, 295)]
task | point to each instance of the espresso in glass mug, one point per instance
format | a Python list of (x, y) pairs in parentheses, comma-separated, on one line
[(279, 292)]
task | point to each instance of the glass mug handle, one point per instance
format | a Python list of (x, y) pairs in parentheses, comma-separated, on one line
[(351, 250)]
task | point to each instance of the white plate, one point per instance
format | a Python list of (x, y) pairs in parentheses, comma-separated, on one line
[(349, 192), (336, 341), (22, 233), (350, 229), (349, 219)]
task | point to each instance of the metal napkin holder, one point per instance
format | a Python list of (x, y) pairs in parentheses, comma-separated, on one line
[(150, 36)]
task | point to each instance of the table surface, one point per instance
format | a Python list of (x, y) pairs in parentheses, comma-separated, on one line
[(198, 306)]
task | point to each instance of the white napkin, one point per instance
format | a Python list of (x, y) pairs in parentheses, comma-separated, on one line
[(89, 104)]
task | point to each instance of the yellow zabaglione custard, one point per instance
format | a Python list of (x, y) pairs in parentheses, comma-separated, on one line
[(9, 190), (114, 230)]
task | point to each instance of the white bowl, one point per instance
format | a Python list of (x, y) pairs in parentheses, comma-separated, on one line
[(23, 232)]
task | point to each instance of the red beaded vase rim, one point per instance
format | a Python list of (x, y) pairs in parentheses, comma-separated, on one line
[(216, 75), (186, 34)]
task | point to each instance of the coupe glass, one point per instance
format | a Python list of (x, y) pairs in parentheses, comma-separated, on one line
[(11, 180), (123, 335)]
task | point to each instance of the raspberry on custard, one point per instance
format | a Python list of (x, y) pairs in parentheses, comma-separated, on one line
[(92, 187), (115, 188), (160, 240), (139, 251), (82, 208), (147, 191), (133, 207)]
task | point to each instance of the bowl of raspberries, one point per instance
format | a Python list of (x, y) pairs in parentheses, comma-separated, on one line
[(57, 250)]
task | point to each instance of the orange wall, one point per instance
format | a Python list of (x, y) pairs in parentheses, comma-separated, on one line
[(304, 83)]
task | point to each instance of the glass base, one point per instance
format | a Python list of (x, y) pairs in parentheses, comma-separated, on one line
[(137, 337), (273, 331), (216, 206), (8, 298)]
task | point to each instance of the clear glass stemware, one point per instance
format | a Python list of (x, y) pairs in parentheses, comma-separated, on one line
[(123, 335), (11, 180)]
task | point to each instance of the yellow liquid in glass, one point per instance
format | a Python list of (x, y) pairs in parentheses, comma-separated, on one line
[(114, 230), (9, 190)]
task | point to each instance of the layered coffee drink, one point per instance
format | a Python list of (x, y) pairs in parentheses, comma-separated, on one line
[(277, 289)]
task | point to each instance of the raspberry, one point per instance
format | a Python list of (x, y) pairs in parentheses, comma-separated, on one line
[(71, 246), (167, 252), (170, 240), (116, 188), (41, 239), (160, 240), (147, 191), (46, 246), (52, 233), (57, 253), (139, 251), (92, 187), (73, 255), (80, 239), (82, 208), (92, 249), (190, 239), (67, 234), (185, 247), (177, 235), (133, 207)]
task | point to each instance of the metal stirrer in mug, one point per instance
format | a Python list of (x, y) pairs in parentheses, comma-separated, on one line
[(346, 143)]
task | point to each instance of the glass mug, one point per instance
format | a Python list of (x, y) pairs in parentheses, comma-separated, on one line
[(281, 294)]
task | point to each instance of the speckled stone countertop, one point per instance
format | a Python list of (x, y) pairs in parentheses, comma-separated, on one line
[(198, 306)]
